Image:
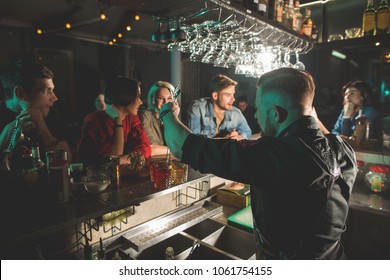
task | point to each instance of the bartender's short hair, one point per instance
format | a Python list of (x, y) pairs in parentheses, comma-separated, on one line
[(121, 91), (219, 82), (154, 90), (22, 73), (297, 84)]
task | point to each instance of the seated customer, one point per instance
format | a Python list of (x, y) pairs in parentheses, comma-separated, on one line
[(159, 94), (215, 116), (249, 113), (29, 99), (116, 130), (357, 96)]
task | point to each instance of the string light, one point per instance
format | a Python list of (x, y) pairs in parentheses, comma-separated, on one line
[(128, 27), (120, 35), (137, 17), (39, 31), (111, 43), (103, 16), (114, 40), (68, 25)]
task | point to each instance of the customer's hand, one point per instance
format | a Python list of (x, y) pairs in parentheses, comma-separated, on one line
[(349, 110)]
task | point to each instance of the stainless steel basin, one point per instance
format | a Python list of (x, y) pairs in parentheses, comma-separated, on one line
[(231, 240)]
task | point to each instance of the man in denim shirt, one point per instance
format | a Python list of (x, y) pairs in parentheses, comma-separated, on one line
[(215, 116)]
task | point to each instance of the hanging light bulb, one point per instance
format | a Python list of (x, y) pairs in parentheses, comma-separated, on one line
[(128, 27), (39, 31), (137, 17), (103, 16), (68, 25)]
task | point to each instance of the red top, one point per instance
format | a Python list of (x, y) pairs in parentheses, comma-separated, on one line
[(97, 137)]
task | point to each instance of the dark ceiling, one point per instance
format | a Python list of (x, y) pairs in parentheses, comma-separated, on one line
[(51, 16)]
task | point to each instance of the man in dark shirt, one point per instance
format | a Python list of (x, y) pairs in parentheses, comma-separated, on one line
[(301, 177), (249, 113), (29, 98)]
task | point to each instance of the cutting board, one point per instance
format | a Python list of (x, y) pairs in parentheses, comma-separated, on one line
[(242, 219)]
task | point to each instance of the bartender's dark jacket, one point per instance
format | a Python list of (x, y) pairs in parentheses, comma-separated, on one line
[(300, 181)]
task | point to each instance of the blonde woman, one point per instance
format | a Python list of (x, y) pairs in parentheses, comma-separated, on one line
[(159, 94)]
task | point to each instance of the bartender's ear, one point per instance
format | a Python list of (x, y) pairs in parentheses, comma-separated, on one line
[(20, 93), (281, 114), (214, 95)]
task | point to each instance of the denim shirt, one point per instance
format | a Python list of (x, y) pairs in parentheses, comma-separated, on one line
[(346, 126), (202, 121)]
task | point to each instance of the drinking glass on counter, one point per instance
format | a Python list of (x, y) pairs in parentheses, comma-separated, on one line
[(97, 179), (160, 173), (166, 173)]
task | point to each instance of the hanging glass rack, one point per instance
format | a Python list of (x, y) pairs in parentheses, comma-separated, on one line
[(224, 35)]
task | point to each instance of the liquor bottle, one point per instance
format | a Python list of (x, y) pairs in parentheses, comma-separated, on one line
[(287, 16), (278, 11), (307, 24), (285, 13), (314, 33), (169, 253), (361, 122), (382, 18), (261, 7), (369, 19), (297, 17), (40, 166)]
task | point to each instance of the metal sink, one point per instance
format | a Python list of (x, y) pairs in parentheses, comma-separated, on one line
[(228, 239)]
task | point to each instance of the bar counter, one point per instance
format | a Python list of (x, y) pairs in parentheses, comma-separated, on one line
[(26, 220)]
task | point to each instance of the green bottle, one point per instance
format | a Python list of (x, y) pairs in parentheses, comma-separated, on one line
[(369, 19), (382, 18)]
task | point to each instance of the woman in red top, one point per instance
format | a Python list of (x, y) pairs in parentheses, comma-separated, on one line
[(116, 130)]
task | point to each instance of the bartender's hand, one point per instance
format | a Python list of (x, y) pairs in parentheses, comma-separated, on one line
[(175, 132), (175, 108), (320, 124)]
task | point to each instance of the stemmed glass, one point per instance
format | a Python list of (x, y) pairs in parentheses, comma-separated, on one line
[(298, 64)]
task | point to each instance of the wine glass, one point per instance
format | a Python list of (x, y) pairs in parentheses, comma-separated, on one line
[(298, 64)]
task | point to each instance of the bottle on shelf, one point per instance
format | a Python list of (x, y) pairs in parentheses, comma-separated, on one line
[(169, 253), (369, 19), (382, 18), (297, 23), (314, 33), (288, 14), (307, 24), (261, 7), (278, 11)]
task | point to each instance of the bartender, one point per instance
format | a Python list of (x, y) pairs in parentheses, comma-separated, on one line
[(301, 177)]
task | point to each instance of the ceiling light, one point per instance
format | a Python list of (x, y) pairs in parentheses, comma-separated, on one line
[(68, 25), (103, 16), (338, 54), (128, 27), (137, 17)]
